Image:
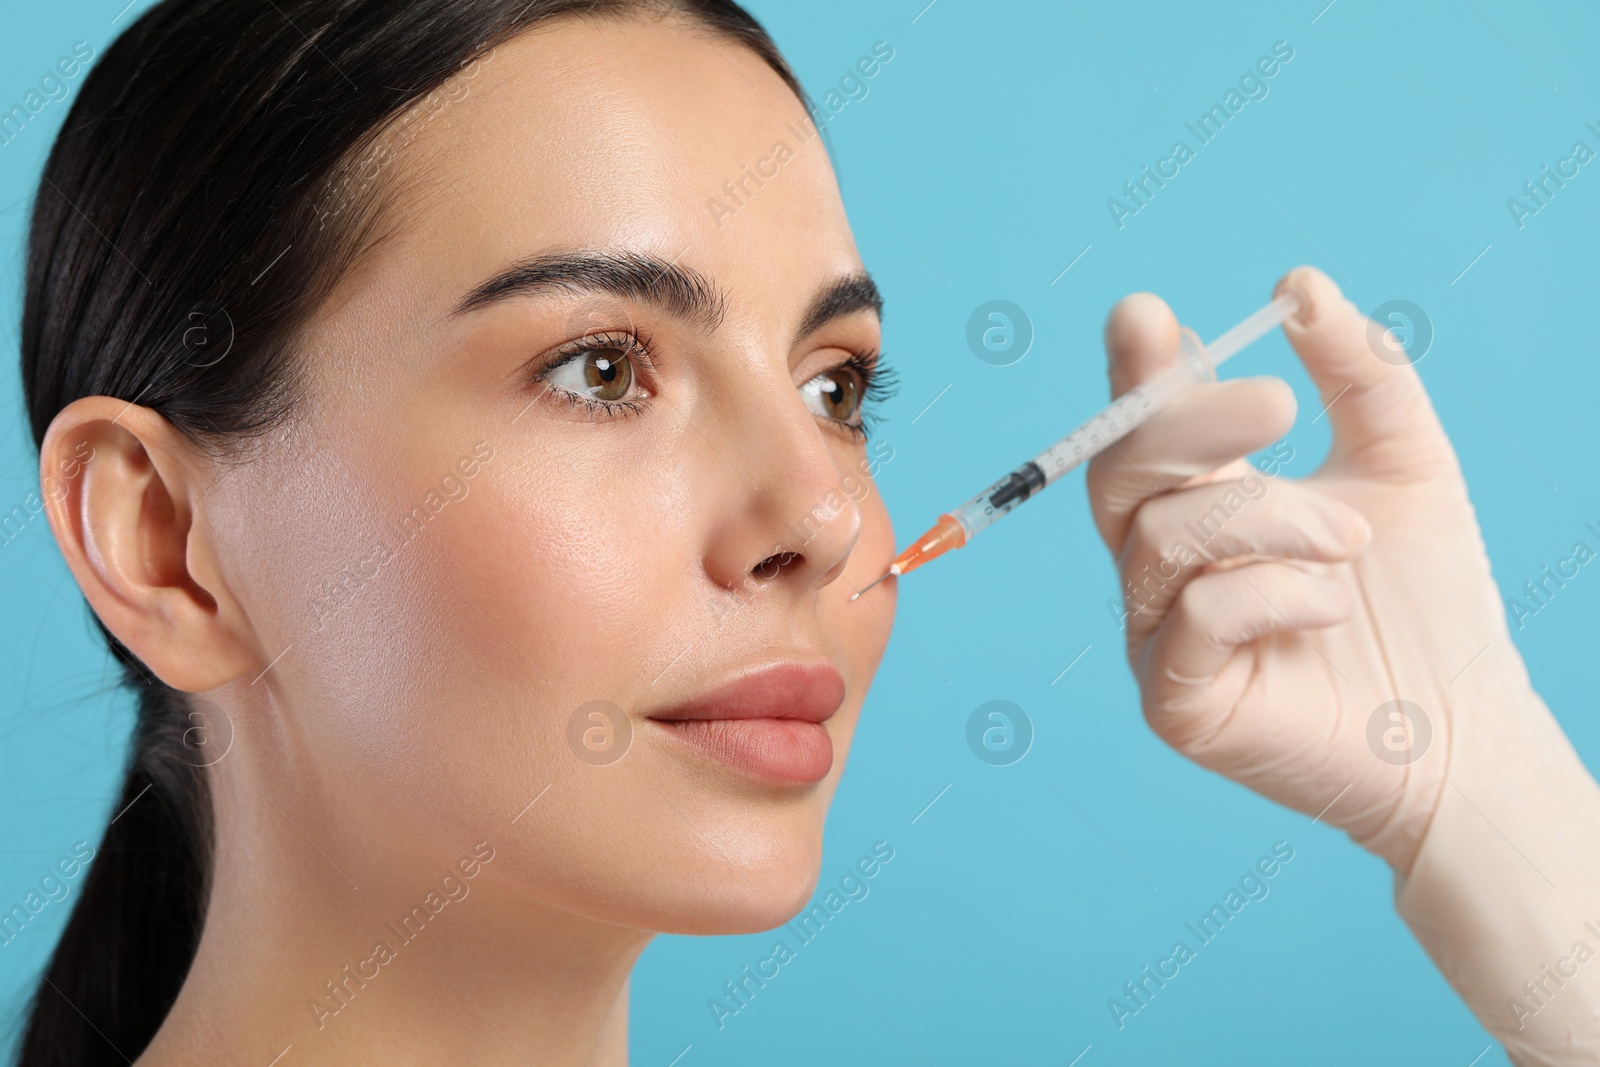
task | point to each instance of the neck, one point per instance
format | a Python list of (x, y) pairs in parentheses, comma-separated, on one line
[(412, 966)]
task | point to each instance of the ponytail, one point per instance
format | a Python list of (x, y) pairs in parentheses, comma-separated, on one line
[(134, 929)]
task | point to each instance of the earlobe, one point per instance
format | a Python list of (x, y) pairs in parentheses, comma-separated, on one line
[(121, 486)]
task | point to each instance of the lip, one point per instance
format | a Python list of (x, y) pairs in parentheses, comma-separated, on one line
[(766, 723)]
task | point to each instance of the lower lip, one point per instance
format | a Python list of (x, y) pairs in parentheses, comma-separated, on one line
[(785, 750)]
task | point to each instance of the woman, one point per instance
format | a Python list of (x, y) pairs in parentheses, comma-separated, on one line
[(476, 511)]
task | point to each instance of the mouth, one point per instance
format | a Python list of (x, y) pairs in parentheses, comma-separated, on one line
[(766, 723)]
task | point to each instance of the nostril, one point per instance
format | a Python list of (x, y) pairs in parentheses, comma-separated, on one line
[(774, 565)]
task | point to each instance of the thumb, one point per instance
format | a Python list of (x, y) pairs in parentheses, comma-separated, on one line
[(1383, 423)]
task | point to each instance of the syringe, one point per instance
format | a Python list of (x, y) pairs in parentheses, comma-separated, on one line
[(1196, 363)]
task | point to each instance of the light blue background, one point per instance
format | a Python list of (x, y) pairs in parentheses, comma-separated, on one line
[(979, 167)]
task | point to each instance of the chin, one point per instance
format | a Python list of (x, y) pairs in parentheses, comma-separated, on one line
[(744, 898)]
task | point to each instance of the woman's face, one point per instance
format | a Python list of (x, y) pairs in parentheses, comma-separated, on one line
[(494, 555)]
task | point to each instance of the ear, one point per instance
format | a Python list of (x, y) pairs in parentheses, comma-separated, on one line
[(121, 488)]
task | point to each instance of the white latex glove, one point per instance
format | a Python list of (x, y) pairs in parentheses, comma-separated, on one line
[(1269, 619)]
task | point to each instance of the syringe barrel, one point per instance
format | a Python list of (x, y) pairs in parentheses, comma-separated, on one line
[(1121, 418)]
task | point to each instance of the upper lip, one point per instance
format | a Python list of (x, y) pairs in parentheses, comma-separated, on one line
[(806, 692)]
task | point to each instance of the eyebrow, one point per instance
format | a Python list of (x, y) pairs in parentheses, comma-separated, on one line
[(845, 296), (680, 290)]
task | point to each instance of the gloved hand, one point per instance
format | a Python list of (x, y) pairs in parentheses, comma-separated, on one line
[(1263, 651), (1271, 619)]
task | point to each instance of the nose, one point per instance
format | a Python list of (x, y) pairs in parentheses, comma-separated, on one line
[(787, 516)]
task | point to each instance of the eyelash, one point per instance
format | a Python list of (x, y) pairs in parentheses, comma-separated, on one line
[(879, 380), (639, 350)]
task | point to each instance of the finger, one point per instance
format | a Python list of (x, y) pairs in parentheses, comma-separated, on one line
[(1228, 472), (1218, 613), (1210, 427), (1175, 536), (1383, 423), (1141, 341)]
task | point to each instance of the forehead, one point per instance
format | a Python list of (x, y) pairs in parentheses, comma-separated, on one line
[(639, 133)]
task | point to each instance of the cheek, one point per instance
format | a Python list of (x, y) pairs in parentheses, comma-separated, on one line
[(586, 565), (860, 633), (449, 672), (874, 551)]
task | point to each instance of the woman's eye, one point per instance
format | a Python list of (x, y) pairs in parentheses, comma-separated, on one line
[(604, 374), (835, 394)]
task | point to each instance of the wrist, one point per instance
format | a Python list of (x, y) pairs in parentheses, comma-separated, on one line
[(1505, 883), (1483, 725)]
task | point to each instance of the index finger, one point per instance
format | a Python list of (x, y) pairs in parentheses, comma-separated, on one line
[(1200, 437)]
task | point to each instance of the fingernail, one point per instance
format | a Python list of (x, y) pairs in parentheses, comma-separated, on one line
[(1363, 535), (1305, 312), (1348, 526)]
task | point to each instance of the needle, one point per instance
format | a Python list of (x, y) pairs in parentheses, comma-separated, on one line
[(890, 573)]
